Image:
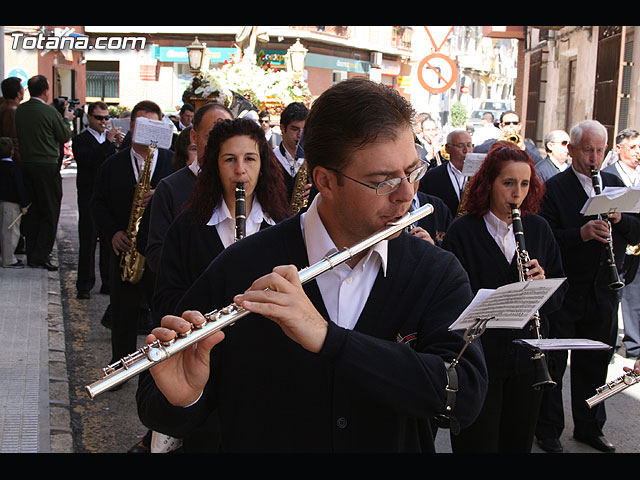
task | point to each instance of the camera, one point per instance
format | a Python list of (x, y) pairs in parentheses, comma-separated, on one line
[(72, 106)]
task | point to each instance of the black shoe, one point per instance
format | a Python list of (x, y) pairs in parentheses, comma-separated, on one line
[(46, 265), (550, 445), (83, 295), (139, 447), (599, 442), (18, 264)]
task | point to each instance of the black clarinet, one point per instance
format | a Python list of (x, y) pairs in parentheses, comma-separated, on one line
[(542, 379), (615, 283), (240, 212)]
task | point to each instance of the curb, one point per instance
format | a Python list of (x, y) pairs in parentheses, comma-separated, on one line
[(60, 432)]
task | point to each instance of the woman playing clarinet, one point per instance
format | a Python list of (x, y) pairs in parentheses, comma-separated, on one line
[(483, 240), (237, 157)]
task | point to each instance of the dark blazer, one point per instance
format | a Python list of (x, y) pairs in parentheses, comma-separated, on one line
[(584, 261), (631, 262), (437, 182), (546, 169), (115, 187), (364, 391), (171, 194), (469, 239), (438, 222), (89, 155)]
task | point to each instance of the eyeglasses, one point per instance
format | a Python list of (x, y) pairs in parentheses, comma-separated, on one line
[(391, 184), (100, 117), (511, 123)]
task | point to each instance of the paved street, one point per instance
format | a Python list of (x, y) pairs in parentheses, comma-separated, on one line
[(54, 345)]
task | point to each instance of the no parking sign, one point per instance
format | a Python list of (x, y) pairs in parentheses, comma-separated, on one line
[(437, 72)]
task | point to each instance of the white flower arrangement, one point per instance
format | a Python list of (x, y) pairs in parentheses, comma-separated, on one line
[(259, 84)]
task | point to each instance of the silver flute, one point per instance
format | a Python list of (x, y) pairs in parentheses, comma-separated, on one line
[(613, 387), (157, 351)]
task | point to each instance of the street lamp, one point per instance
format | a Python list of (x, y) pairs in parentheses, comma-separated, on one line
[(295, 59), (196, 54)]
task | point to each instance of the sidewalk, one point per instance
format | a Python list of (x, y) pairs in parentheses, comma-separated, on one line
[(34, 389)]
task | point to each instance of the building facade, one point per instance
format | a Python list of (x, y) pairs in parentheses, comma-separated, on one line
[(576, 73)]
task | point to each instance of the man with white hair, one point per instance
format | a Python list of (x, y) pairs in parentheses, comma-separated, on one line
[(590, 307)]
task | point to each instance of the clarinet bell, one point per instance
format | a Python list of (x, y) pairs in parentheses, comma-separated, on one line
[(615, 283), (543, 379)]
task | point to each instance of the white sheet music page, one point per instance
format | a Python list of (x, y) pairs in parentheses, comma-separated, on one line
[(613, 199), (510, 306), (147, 131)]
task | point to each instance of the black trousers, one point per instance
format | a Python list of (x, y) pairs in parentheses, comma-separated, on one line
[(584, 314), (128, 303), (88, 241), (43, 184), (507, 421)]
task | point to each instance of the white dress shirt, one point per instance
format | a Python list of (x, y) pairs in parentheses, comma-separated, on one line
[(225, 223), (502, 234), (100, 137), (587, 182), (457, 179), (344, 290), (137, 163), (629, 176), (290, 164)]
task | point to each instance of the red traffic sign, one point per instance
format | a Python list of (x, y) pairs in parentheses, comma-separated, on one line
[(437, 72)]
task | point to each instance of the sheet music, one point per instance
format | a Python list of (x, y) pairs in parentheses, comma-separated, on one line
[(472, 162), (123, 123), (613, 199), (563, 344), (512, 305), (147, 131)]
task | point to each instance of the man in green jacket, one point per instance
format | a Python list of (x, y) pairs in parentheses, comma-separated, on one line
[(41, 133)]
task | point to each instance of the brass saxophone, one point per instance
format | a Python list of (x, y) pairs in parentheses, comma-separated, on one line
[(298, 199), (131, 261)]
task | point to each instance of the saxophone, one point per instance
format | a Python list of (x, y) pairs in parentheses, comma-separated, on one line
[(131, 261), (298, 199)]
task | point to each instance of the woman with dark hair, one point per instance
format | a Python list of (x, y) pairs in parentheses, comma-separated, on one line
[(236, 151), (484, 242)]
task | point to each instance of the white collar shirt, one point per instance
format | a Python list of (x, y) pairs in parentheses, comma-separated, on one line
[(344, 290), (457, 179), (502, 234), (137, 163), (100, 137), (630, 176), (586, 182), (225, 223), (290, 164)]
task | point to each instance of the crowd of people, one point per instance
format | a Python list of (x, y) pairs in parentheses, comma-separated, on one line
[(360, 358)]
